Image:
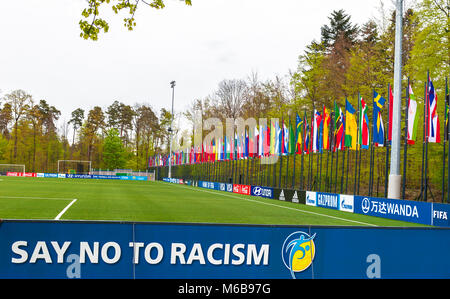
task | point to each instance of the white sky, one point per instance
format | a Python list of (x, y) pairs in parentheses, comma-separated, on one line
[(198, 46)]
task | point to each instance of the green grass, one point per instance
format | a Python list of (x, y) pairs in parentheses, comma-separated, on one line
[(45, 198)]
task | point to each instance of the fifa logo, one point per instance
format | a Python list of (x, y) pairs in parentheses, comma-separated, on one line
[(298, 252)]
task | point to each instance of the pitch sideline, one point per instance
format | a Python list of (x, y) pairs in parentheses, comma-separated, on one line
[(275, 205)]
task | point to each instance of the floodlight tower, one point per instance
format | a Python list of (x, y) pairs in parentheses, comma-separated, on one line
[(395, 177), (172, 85)]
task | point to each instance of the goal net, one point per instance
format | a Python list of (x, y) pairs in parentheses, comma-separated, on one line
[(74, 166), (5, 168)]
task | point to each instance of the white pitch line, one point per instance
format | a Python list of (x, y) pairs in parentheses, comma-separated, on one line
[(65, 209), (283, 207)]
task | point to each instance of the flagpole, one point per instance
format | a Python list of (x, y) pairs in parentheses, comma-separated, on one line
[(332, 142), (295, 150), (281, 146), (303, 151), (348, 156), (371, 145), (361, 118), (426, 138), (422, 188), (357, 146), (310, 153), (405, 150), (387, 143), (447, 100), (445, 140), (287, 155)]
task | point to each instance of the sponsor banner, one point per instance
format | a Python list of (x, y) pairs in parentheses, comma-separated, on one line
[(222, 187), (40, 175), (75, 176), (207, 185), (139, 178), (311, 198), (330, 201), (105, 177), (51, 175), (242, 189), (262, 191), (327, 200), (22, 174), (441, 213), (404, 210), (229, 187), (295, 196), (346, 203), (69, 249)]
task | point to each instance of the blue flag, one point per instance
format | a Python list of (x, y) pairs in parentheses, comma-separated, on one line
[(378, 127)]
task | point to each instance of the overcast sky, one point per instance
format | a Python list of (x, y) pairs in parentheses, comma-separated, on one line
[(197, 46)]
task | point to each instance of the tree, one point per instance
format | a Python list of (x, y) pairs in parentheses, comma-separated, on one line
[(114, 154), (310, 76), (34, 117), (120, 117), (94, 123), (431, 49), (5, 119), (340, 27), (91, 29), (144, 121), (230, 96), (19, 101), (76, 121)]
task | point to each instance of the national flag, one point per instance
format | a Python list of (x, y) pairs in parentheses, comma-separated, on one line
[(278, 138), (412, 117), (261, 139), (272, 137), (267, 138), (292, 143), (299, 131), (254, 148), (378, 127), (339, 125), (364, 135), (307, 135), (433, 120), (285, 139), (317, 123), (326, 128), (351, 127)]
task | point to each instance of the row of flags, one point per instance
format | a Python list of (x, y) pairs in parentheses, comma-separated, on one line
[(348, 130)]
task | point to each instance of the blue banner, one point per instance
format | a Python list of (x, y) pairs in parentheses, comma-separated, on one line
[(50, 175), (404, 210), (262, 191), (67, 249), (441, 213), (79, 176)]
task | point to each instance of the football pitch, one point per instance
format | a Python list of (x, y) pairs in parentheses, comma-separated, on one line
[(145, 201)]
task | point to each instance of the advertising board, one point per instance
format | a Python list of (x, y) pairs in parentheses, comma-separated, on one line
[(70, 249), (404, 210)]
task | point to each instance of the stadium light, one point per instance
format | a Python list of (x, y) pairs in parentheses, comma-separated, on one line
[(172, 85)]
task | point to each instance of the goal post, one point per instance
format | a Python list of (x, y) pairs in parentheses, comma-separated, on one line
[(74, 166), (4, 168)]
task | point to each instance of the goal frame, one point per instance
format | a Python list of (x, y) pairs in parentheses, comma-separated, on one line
[(23, 165)]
